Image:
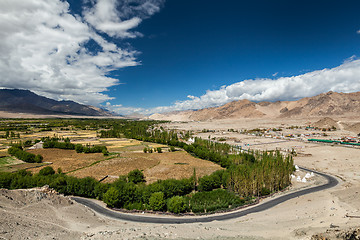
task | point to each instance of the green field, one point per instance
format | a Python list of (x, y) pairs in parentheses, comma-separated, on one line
[(7, 160)]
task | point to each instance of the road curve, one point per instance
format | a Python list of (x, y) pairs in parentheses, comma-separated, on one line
[(331, 182)]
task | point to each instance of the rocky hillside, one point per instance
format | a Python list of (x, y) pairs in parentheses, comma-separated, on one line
[(323, 105), (24, 101)]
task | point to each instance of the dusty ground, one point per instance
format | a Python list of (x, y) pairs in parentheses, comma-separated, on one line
[(67, 160), (179, 165), (155, 166), (327, 212)]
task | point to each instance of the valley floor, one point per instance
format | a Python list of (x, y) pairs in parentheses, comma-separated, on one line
[(31, 214)]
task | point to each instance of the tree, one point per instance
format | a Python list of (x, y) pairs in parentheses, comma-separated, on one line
[(210, 182), (136, 176), (177, 204), (112, 197), (100, 189), (157, 201), (194, 178)]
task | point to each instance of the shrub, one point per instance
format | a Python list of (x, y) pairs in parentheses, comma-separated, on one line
[(79, 148), (47, 171), (135, 205), (265, 191), (208, 183), (60, 184), (105, 152), (136, 176), (159, 150), (173, 187), (112, 197), (38, 158), (100, 189), (86, 186), (157, 201), (5, 179), (28, 143), (177, 204), (214, 200)]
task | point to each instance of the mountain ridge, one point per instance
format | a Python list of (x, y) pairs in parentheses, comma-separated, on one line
[(25, 101), (322, 105)]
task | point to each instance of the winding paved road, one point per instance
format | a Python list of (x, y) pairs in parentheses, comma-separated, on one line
[(218, 217)]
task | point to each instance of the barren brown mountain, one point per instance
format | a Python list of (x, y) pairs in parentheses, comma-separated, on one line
[(326, 123), (323, 105)]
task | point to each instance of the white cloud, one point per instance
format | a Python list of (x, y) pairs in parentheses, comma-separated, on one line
[(117, 18), (44, 47), (120, 109), (191, 97), (344, 78), (104, 17)]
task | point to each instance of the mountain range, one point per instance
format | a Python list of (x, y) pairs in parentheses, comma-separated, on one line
[(328, 104), (25, 101), (322, 105)]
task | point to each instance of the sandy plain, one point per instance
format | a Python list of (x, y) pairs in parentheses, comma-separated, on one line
[(24, 215)]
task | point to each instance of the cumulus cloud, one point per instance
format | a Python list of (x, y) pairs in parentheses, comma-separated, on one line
[(104, 17), (44, 47), (117, 18), (344, 78), (120, 109)]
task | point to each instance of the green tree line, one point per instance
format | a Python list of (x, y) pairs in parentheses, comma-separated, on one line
[(19, 153), (127, 192), (66, 144)]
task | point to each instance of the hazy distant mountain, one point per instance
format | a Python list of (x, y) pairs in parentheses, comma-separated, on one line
[(326, 104), (24, 101)]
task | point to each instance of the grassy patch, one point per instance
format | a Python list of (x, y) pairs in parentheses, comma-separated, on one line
[(20, 166), (6, 160)]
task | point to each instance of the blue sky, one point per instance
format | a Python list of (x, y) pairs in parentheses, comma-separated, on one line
[(151, 56), (192, 46)]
